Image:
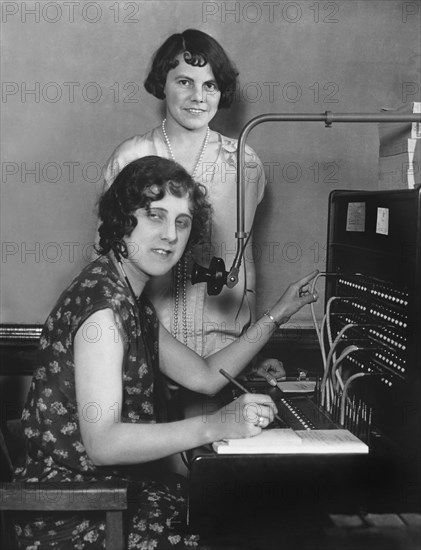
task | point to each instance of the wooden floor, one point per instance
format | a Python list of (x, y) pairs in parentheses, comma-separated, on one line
[(340, 532)]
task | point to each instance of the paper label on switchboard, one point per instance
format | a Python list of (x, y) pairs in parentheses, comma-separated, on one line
[(382, 224), (355, 218)]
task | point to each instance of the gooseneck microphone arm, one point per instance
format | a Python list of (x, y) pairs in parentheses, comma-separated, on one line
[(217, 271)]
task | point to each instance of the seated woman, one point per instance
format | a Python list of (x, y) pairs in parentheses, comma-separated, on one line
[(96, 407)]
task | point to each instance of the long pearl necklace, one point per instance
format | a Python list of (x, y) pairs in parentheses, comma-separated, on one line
[(202, 150), (180, 271), (180, 284)]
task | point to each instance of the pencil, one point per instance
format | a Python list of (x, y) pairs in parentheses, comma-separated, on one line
[(245, 390)]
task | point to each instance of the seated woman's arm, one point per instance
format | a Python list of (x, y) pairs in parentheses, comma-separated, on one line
[(99, 389), (202, 375)]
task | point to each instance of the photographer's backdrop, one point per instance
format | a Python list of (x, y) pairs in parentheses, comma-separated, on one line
[(72, 90)]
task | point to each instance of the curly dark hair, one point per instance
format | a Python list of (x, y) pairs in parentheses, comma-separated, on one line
[(198, 49), (141, 182)]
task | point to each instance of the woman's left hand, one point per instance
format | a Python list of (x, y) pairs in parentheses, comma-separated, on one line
[(272, 370)]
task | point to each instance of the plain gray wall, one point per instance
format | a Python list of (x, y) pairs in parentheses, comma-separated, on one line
[(72, 90)]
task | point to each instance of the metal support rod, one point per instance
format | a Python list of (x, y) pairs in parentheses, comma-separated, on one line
[(328, 118)]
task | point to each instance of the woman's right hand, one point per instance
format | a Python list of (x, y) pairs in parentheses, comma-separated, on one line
[(243, 417)]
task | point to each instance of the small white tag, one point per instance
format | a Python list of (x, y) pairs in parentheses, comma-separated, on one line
[(382, 225)]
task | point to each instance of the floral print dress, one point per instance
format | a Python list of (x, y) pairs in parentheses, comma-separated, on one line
[(55, 451)]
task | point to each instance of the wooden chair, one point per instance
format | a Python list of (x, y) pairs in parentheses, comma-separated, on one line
[(110, 497)]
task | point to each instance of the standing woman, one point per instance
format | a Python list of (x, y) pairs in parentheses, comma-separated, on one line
[(195, 77)]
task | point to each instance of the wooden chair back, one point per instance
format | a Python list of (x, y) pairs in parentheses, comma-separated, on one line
[(108, 496)]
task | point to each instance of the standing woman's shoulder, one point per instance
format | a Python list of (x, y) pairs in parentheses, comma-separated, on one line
[(230, 151), (129, 150)]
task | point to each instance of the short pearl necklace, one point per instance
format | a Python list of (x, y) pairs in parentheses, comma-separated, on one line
[(180, 271), (202, 151)]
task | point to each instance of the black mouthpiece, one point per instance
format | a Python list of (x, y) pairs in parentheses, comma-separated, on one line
[(215, 276)]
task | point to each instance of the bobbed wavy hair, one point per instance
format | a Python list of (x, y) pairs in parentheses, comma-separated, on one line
[(198, 49), (140, 183)]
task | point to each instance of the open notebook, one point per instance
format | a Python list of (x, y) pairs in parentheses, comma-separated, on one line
[(287, 441)]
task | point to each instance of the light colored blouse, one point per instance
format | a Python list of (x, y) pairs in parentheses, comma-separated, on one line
[(206, 323)]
